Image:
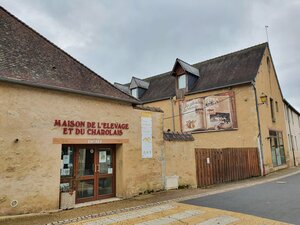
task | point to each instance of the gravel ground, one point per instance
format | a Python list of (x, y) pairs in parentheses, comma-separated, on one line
[(137, 201)]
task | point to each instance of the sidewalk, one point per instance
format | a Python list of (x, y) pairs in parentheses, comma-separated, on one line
[(139, 202)]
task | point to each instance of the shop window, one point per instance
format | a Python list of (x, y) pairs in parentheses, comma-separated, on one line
[(66, 168), (272, 110), (277, 148), (182, 81)]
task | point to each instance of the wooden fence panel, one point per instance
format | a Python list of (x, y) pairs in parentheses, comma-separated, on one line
[(216, 166)]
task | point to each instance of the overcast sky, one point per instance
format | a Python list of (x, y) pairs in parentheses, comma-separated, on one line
[(121, 39)]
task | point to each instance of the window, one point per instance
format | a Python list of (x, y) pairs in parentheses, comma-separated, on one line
[(182, 81), (134, 92), (272, 110), (276, 104), (296, 144), (66, 167), (292, 116), (277, 148)]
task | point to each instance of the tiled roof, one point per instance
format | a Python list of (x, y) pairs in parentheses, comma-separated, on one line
[(26, 57), (177, 136), (232, 69), (123, 88)]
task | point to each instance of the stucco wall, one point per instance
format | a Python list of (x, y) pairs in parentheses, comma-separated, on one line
[(244, 136), (292, 121), (267, 84), (180, 161), (30, 169)]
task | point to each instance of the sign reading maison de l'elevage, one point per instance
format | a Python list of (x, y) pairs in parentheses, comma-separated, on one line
[(71, 127)]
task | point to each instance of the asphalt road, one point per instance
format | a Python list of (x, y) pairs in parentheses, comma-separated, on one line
[(278, 200)]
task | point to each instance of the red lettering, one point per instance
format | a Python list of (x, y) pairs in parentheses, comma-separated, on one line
[(65, 130), (57, 123)]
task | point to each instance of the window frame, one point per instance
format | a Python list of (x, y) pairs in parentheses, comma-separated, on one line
[(183, 82), (135, 92)]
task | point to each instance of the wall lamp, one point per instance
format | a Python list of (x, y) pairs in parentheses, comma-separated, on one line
[(263, 99)]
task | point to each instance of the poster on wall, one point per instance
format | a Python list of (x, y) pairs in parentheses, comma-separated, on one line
[(215, 112), (146, 128)]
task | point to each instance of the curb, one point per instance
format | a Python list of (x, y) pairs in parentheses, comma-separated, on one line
[(92, 216)]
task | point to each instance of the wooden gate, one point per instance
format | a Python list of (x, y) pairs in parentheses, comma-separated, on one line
[(223, 165)]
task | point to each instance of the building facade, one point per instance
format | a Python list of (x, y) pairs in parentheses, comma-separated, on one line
[(67, 135), (232, 101), (292, 117)]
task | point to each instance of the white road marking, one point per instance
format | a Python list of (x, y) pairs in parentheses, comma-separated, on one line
[(220, 220), (129, 215), (172, 218)]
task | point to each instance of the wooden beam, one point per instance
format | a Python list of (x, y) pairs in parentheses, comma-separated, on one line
[(88, 141)]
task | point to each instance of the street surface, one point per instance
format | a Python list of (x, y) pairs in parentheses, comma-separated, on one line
[(178, 213), (278, 200)]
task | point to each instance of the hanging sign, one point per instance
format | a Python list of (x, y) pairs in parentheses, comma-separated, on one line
[(146, 127)]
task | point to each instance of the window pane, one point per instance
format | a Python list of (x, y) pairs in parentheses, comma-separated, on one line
[(105, 186), (181, 81), (85, 189), (86, 162), (105, 161), (66, 164), (134, 92)]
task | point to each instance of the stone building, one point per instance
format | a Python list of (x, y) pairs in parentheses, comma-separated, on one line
[(292, 118), (232, 101), (67, 136)]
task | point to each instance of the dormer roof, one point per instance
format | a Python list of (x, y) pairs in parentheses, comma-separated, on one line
[(186, 67), (138, 83)]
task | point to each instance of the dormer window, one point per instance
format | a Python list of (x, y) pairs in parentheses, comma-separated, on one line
[(134, 92), (185, 77), (182, 81), (138, 87)]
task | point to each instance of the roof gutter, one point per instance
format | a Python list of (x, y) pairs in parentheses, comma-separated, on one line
[(67, 90)]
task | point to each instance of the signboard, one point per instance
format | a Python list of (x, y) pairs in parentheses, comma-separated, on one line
[(215, 112), (146, 127), (74, 127)]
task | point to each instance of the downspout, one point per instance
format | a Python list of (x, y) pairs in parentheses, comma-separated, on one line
[(173, 119), (291, 139), (163, 157), (260, 147)]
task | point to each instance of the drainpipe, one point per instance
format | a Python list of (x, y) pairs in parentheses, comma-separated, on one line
[(173, 119), (163, 157), (260, 147), (291, 139)]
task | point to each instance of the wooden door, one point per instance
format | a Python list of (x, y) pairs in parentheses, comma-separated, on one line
[(94, 172)]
